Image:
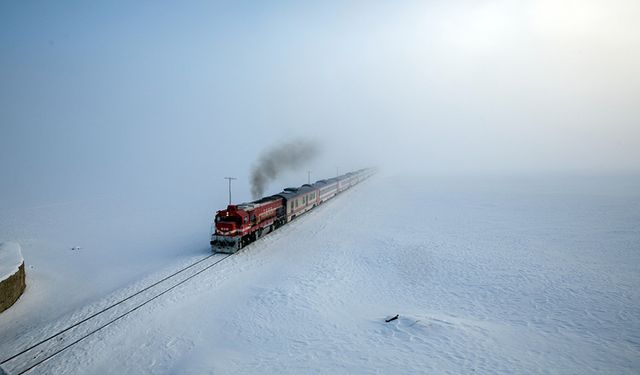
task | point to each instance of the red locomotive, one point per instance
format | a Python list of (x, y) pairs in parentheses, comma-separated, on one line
[(239, 225)]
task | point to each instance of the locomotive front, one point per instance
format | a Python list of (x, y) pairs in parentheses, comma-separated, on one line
[(229, 227)]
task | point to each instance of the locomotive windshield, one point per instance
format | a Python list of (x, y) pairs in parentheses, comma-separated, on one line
[(228, 219)]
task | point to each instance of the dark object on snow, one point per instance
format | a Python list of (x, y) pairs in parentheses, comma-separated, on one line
[(390, 319)]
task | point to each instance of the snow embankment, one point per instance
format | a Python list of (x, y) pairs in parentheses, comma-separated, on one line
[(10, 259), (12, 277)]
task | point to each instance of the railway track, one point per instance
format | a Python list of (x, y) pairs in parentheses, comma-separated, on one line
[(39, 352)]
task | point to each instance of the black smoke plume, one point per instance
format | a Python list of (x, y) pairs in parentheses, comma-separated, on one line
[(283, 157)]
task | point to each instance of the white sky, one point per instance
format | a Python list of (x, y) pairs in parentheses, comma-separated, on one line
[(104, 96)]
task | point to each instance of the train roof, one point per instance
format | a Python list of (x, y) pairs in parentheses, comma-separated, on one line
[(254, 204), (328, 181), (292, 192)]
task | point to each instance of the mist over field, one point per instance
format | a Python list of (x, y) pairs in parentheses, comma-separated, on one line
[(102, 96)]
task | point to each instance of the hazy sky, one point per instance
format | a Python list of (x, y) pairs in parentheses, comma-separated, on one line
[(97, 96)]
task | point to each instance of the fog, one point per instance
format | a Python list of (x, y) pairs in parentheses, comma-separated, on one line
[(103, 97)]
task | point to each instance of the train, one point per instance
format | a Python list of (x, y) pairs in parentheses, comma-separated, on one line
[(239, 225)]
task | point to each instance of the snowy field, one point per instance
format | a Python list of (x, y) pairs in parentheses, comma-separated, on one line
[(491, 275)]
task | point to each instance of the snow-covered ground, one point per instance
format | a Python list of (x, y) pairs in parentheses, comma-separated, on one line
[(10, 259), (488, 275)]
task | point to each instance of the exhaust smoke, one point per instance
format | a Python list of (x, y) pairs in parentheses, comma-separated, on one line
[(288, 156)]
